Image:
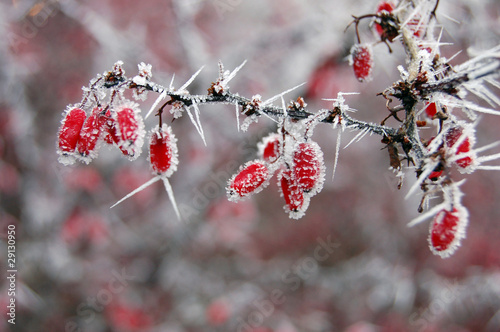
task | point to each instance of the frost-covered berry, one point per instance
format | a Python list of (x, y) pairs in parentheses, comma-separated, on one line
[(68, 135), (308, 167), (447, 230), (269, 148), (129, 129), (163, 155), (383, 8), (416, 26), (296, 202), (362, 61), (110, 133), (90, 134), (251, 178), (452, 138)]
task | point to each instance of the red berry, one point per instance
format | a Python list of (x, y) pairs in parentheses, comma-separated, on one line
[(269, 148), (452, 136), (251, 178), (90, 134), (446, 231), (295, 201), (431, 110), (163, 150), (127, 318), (308, 167), (110, 133), (362, 61), (435, 175), (129, 129), (416, 26), (465, 162), (383, 7), (69, 133), (217, 313)]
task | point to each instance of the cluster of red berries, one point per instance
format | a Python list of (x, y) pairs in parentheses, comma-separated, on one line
[(301, 172), (80, 136)]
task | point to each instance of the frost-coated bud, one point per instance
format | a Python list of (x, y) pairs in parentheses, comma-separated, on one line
[(251, 178), (68, 135), (296, 202), (362, 61), (129, 129), (90, 134), (163, 154), (447, 230), (269, 148), (308, 167)]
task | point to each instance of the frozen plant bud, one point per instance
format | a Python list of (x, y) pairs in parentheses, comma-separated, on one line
[(296, 202), (447, 230), (252, 178), (163, 155), (90, 134), (129, 129), (269, 148), (308, 167), (69, 133), (362, 61)]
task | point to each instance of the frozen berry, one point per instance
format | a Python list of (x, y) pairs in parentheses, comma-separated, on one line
[(362, 61), (69, 133), (252, 177), (308, 167), (383, 9), (269, 148), (452, 137), (90, 134), (129, 129), (447, 230), (295, 201), (163, 150)]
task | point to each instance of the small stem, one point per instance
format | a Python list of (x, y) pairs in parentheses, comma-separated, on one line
[(433, 12)]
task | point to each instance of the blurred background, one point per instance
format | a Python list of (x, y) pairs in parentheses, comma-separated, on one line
[(351, 264)]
